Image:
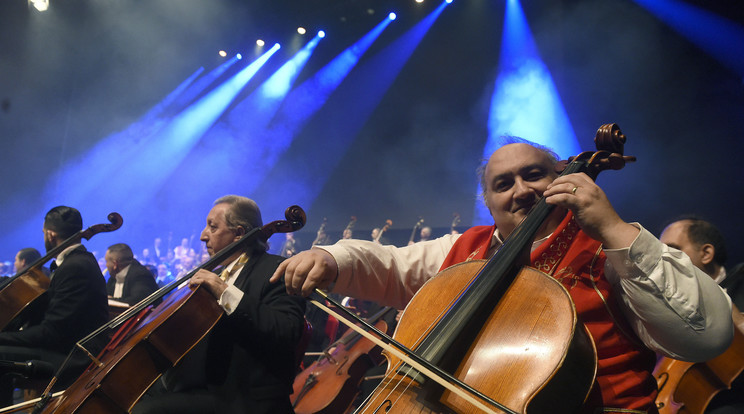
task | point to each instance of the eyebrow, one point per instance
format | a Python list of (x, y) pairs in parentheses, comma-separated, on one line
[(521, 171)]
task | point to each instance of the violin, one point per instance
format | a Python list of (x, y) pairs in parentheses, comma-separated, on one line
[(417, 226), (689, 387), (496, 336), (330, 384), (158, 338), (19, 291)]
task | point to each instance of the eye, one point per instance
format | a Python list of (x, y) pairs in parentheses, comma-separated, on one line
[(502, 185), (535, 175)]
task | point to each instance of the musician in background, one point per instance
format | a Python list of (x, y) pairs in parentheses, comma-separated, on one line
[(704, 244), (378, 236), (73, 306), (347, 234), (424, 235), (129, 281), (633, 294), (290, 247), (247, 363), (183, 250), (25, 257)]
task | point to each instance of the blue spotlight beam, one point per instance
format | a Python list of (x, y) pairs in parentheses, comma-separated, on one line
[(715, 35), (304, 101), (203, 83), (124, 171), (239, 147), (317, 160), (525, 101)]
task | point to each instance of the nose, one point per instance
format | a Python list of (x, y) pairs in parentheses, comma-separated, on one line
[(203, 235), (522, 190)]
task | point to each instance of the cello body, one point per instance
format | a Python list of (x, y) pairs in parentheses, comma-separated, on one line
[(330, 384), (18, 295), (539, 336), (158, 343), (688, 387)]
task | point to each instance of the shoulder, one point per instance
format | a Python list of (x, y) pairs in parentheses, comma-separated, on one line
[(478, 232), (268, 260)]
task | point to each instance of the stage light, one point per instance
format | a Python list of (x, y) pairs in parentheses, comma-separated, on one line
[(321, 34), (448, 1), (301, 30), (40, 5), (260, 42), (419, 1), (222, 53), (239, 56), (392, 16)]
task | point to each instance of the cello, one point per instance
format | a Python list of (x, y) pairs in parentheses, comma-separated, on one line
[(122, 373), (17, 292), (688, 387), (329, 384), (507, 334)]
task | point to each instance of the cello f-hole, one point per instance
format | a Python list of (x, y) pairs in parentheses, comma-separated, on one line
[(387, 409)]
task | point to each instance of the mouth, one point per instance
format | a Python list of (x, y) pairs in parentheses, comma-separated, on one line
[(524, 209)]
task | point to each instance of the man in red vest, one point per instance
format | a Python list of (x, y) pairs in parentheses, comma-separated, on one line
[(633, 296)]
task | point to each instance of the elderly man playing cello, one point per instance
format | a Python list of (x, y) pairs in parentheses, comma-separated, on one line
[(632, 295), (247, 363)]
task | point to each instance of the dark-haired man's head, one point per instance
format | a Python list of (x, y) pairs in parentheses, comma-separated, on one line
[(24, 258), (60, 223), (700, 240), (118, 256)]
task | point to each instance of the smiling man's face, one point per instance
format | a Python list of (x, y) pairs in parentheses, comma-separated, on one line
[(516, 177)]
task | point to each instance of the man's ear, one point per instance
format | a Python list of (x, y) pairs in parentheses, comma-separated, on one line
[(239, 232), (708, 253), (51, 235)]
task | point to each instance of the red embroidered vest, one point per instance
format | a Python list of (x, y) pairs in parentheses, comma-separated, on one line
[(624, 379)]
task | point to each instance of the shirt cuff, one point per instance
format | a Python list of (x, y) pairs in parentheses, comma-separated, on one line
[(230, 299), (343, 261), (640, 258)]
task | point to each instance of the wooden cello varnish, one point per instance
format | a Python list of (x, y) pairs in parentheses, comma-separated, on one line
[(688, 387), (539, 336)]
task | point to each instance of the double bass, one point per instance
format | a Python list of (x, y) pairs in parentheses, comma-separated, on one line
[(19, 291), (498, 336), (157, 340)]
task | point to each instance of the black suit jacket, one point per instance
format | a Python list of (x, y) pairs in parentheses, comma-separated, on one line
[(734, 284), (138, 284), (249, 361), (74, 305)]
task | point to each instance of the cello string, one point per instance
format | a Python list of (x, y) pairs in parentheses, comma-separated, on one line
[(455, 385)]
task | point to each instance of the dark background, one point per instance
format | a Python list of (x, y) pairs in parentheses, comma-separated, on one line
[(86, 69)]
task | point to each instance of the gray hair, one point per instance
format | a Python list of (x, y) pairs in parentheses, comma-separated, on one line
[(506, 140), (243, 212)]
